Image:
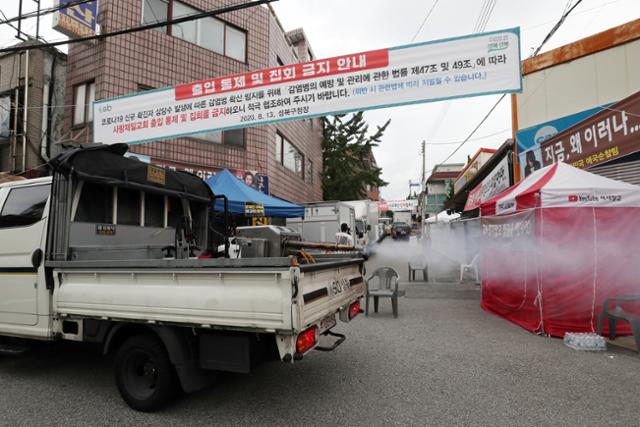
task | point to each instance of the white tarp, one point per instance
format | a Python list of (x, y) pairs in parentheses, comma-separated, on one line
[(472, 65), (442, 217)]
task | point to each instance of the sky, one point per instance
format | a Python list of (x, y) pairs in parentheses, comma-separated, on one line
[(336, 27)]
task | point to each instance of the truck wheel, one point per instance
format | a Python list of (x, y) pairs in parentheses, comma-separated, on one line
[(145, 376)]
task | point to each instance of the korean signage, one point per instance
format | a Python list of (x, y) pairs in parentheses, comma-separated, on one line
[(610, 134), (252, 178), (474, 199), (529, 139), (497, 181), (253, 209), (402, 205), (76, 21), (513, 232), (533, 136), (473, 65), (471, 169)]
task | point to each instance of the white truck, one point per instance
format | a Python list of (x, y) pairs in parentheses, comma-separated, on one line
[(322, 220), (403, 216), (366, 212), (111, 251)]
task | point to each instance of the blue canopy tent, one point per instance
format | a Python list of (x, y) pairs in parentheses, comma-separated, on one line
[(238, 193)]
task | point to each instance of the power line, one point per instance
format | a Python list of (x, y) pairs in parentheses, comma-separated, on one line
[(44, 11), (544, 41), (186, 18), (472, 139), (9, 22), (424, 21), (488, 17), (483, 17)]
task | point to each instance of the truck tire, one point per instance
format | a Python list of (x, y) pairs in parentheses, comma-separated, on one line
[(144, 374)]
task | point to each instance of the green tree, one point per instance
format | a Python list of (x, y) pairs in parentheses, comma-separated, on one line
[(346, 150)]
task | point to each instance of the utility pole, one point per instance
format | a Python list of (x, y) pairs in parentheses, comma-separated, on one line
[(423, 183), (423, 163)]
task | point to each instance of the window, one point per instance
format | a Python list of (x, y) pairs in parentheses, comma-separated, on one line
[(154, 11), (209, 33), (153, 210), (279, 139), (308, 171), (24, 206), (289, 156), (83, 97), (96, 204), (129, 203), (233, 137), (144, 88), (186, 30), (310, 54), (279, 61), (236, 42)]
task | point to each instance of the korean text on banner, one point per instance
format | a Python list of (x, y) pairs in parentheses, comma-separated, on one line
[(473, 65), (610, 134)]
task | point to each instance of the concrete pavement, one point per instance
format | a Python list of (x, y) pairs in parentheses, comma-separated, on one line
[(444, 361)]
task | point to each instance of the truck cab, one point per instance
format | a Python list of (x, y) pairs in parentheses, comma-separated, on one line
[(24, 301)]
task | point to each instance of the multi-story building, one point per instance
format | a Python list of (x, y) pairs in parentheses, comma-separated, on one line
[(30, 136), (289, 153), (439, 186)]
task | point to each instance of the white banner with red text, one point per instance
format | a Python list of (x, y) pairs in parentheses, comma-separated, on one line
[(473, 65)]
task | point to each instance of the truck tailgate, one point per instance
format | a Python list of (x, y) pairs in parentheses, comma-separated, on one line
[(326, 288)]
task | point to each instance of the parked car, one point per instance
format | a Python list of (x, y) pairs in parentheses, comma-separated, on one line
[(401, 230)]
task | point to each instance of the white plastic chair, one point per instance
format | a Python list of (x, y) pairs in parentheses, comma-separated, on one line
[(473, 267)]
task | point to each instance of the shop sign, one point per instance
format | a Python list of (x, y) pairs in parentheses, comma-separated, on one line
[(497, 181), (253, 209), (471, 169), (535, 135), (473, 65), (608, 135), (76, 21), (259, 220), (528, 140), (474, 199), (252, 178)]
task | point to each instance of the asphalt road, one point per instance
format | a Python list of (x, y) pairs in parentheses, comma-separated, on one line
[(442, 362)]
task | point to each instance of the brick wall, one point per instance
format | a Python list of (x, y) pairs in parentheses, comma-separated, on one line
[(151, 58)]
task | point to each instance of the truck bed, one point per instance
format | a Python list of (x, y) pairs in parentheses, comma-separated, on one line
[(264, 294)]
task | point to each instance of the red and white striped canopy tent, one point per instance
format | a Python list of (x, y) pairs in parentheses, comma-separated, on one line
[(561, 185), (557, 244)]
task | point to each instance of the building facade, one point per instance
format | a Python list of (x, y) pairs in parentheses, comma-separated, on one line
[(570, 84), (439, 186), (29, 137), (288, 154)]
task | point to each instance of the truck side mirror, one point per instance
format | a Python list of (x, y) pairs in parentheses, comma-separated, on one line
[(368, 227)]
